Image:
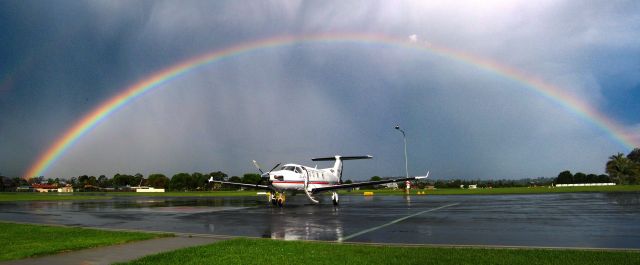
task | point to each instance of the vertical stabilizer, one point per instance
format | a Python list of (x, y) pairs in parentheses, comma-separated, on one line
[(337, 166)]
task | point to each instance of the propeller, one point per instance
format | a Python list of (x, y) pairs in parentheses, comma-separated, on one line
[(264, 176)]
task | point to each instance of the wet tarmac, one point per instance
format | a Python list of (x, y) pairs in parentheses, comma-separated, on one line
[(592, 220)]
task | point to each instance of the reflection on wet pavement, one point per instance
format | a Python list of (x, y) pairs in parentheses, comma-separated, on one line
[(560, 220)]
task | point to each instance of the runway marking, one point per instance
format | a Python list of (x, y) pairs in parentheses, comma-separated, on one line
[(393, 222)]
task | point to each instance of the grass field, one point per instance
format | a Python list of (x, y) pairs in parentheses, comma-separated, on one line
[(265, 251), (23, 240)]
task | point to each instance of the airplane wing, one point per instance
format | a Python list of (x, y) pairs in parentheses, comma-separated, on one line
[(368, 183), (255, 186)]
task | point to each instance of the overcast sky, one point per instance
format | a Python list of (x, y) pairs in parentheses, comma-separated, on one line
[(61, 59)]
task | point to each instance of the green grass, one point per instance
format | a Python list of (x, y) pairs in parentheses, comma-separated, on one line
[(265, 251), (24, 240), (48, 196), (499, 191)]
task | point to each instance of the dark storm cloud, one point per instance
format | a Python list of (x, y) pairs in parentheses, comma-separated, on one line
[(292, 103)]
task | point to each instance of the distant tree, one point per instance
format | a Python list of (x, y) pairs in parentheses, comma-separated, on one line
[(592, 178), (374, 178), (580, 178), (92, 181), (251, 178), (199, 181), (82, 180), (138, 180), (235, 179), (634, 155), (565, 177), (102, 181), (348, 181), (121, 180), (620, 168), (181, 182), (158, 181), (218, 176), (73, 181), (35, 180), (604, 178)]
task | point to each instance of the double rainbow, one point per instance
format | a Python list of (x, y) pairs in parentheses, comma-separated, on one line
[(89, 121)]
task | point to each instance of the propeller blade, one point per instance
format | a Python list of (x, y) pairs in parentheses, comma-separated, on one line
[(258, 167), (277, 165)]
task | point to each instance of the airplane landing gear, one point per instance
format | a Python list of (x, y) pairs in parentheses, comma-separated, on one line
[(334, 198)]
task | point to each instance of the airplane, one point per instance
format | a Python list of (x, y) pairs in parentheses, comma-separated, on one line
[(312, 180)]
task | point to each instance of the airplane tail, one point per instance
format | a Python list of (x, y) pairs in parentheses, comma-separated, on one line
[(337, 166)]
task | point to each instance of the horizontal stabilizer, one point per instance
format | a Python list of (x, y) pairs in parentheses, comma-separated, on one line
[(341, 158)]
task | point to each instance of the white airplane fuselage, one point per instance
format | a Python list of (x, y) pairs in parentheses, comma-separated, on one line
[(292, 177)]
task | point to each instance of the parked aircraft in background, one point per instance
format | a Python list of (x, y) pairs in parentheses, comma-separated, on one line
[(311, 180)]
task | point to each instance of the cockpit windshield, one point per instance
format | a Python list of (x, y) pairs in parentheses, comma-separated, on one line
[(292, 168)]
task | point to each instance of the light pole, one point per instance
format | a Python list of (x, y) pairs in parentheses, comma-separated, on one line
[(406, 164)]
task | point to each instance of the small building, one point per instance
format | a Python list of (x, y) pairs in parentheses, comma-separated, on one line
[(66, 188), (46, 187), (146, 189), (473, 186), (25, 189)]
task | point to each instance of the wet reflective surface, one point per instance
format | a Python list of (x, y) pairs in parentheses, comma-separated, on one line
[(610, 220)]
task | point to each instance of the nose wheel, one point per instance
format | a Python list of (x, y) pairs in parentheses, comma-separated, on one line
[(334, 198)]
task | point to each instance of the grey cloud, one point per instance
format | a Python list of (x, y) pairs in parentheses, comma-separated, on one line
[(293, 103)]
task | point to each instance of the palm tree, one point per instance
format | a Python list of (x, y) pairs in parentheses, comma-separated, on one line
[(619, 167), (634, 155)]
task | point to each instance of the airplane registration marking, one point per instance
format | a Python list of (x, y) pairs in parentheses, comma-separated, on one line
[(392, 222)]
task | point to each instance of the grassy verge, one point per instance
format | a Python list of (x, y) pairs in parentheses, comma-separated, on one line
[(264, 251), (23, 240), (53, 196)]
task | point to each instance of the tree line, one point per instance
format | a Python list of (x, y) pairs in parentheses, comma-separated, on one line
[(620, 169), (178, 182), (624, 169)]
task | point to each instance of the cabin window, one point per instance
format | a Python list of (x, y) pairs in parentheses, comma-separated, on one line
[(289, 168)]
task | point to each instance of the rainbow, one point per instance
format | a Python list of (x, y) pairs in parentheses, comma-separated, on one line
[(553, 93)]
